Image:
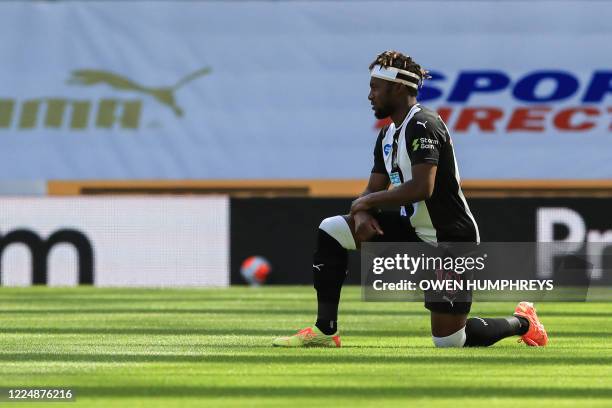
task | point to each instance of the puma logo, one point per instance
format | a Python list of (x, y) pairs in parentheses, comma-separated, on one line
[(451, 301), (164, 95), (318, 267), (422, 123)]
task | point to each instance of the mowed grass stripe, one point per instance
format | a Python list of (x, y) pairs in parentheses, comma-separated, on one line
[(126, 347)]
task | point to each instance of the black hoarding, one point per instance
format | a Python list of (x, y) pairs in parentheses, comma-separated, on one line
[(283, 230)]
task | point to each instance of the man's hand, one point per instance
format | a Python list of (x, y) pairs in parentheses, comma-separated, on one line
[(360, 204), (366, 226)]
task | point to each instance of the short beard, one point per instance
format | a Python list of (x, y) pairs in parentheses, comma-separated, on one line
[(382, 113)]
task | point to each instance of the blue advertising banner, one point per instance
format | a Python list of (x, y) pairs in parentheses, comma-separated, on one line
[(240, 90)]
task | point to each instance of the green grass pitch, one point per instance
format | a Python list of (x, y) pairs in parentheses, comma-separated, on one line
[(211, 347)]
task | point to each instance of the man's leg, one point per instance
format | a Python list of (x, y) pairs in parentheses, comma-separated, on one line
[(334, 238), (456, 330), (450, 326)]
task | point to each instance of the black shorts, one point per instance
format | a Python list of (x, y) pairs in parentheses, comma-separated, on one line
[(397, 228)]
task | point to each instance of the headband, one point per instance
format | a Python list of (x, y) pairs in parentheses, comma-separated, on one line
[(396, 75)]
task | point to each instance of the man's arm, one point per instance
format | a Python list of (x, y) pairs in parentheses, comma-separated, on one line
[(379, 179), (377, 182), (425, 141), (363, 224), (418, 189)]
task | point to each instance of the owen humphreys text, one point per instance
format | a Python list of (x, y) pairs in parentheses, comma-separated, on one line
[(444, 273)]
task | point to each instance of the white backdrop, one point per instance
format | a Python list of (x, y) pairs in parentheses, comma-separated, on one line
[(153, 242), (280, 88)]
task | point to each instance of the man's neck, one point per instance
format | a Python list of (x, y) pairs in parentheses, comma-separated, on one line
[(398, 116)]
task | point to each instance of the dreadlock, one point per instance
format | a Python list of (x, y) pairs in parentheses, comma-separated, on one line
[(396, 59)]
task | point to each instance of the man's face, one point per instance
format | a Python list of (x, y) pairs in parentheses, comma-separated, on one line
[(380, 97)]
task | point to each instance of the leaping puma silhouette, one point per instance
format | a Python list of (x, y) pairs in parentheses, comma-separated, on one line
[(164, 95)]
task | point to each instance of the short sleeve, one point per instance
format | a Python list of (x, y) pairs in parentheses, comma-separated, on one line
[(379, 161), (423, 142)]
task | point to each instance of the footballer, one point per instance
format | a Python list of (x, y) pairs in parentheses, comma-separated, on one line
[(414, 155)]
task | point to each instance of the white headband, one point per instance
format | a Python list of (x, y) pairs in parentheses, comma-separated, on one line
[(396, 75)]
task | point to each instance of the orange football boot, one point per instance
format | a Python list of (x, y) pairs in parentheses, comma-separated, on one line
[(536, 335), (308, 337)]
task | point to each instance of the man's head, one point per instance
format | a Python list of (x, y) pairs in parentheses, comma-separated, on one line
[(394, 82)]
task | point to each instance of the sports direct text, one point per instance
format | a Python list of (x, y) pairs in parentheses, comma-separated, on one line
[(541, 100)]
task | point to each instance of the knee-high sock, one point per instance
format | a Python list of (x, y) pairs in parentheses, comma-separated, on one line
[(329, 270), (485, 332)]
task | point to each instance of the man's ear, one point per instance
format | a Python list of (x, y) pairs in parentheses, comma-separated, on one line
[(398, 89)]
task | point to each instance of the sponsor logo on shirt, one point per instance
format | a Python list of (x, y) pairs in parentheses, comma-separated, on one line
[(387, 149), (424, 143)]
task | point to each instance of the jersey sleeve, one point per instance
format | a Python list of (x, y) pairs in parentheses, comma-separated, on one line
[(424, 142), (379, 161)]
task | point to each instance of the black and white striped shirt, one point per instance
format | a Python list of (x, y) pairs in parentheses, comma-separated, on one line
[(424, 138)]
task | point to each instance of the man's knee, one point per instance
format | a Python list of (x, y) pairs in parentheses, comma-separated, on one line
[(330, 259), (456, 339), (338, 228)]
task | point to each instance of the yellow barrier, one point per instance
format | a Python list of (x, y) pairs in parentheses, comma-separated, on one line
[(322, 188), (257, 188)]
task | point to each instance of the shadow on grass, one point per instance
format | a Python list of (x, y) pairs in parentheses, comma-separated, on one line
[(262, 311), (241, 312), (147, 298), (232, 331), (343, 391), (193, 331), (322, 358)]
